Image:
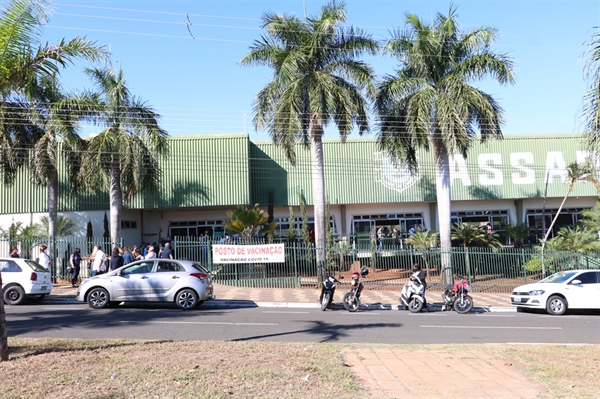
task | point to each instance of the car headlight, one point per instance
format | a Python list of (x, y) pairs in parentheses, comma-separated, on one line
[(536, 292)]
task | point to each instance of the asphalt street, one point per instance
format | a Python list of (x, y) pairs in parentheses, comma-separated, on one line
[(298, 325)]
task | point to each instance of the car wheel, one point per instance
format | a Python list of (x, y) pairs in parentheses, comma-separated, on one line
[(37, 298), (98, 298), (186, 299), (556, 305), (14, 295)]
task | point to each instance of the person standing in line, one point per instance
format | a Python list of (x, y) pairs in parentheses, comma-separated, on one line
[(116, 260), (44, 258), (99, 259), (14, 252), (151, 254), (167, 252), (75, 262), (127, 256)]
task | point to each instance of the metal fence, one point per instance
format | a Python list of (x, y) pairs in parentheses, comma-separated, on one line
[(488, 270), (59, 249)]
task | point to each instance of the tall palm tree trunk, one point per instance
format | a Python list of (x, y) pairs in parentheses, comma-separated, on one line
[(318, 178), (442, 189), (116, 203), (52, 216)]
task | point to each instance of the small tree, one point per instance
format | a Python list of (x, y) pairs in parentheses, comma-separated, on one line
[(249, 222), (89, 235), (292, 232), (423, 240), (517, 233), (65, 226)]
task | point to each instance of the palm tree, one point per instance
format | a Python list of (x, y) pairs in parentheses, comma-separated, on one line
[(429, 103), (591, 218), (517, 233), (576, 239), (249, 222), (575, 173), (56, 123), (65, 226), (468, 233), (423, 240), (23, 62), (316, 80), (124, 156)]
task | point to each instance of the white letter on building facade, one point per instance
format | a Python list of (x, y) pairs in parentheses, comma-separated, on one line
[(556, 166), (496, 178), (528, 175), (458, 170)]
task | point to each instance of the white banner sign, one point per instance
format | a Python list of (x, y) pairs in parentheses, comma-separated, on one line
[(268, 253)]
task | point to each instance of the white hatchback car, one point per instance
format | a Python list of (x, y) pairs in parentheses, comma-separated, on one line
[(572, 289), (24, 279), (185, 283)]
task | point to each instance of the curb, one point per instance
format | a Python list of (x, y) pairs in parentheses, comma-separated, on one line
[(304, 305)]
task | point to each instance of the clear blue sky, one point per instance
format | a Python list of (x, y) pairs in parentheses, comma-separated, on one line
[(198, 87)]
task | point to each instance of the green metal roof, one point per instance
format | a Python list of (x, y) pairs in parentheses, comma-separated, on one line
[(225, 170)]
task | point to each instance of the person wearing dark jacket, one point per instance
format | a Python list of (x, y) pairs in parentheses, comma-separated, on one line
[(116, 260)]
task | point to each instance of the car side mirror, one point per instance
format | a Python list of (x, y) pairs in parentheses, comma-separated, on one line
[(576, 282)]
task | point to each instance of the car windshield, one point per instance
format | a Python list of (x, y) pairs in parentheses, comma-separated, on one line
[(35, 266), (559, 277)]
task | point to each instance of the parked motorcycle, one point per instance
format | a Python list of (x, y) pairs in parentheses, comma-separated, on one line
[(412, 296), (327, 291), (457, 296), (352, 299)]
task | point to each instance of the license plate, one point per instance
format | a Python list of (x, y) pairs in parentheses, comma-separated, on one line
[(516, 299), (44, 287)]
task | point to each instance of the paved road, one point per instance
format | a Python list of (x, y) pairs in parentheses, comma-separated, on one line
[(306, 325)]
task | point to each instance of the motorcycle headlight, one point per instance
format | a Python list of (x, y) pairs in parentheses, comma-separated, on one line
[(536, 292)]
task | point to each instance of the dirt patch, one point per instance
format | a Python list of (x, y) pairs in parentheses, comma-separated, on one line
[(41, 368)]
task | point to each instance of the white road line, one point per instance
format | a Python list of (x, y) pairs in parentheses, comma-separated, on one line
[(216, 323), (268, 311), (367, 312), (497, 327)]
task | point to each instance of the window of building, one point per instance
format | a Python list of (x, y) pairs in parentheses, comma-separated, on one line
[(365, 226), (128, 224), (568, 217)]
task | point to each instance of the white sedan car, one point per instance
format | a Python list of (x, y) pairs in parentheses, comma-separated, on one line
[(23, 279), (185, 283), (573, 289)]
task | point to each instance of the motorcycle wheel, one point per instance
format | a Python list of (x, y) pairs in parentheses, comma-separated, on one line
[(415, 305), (325, 300), (463, 304), (351, 302)]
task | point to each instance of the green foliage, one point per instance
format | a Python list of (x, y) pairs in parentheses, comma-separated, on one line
[(65, 226), (316, 76), (292, 232), (576, 239), (249, 222), (591, 218), (422, 239), (89, 234), (518, 233), (106, 234)]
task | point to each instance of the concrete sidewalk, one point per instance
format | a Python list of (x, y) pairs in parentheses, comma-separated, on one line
[(229, 296)]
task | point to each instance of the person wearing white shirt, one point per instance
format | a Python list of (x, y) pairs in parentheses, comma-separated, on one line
[(99, 259), (151, 254), (44, 258)]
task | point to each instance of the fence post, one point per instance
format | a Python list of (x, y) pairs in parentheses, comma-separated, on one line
[(523, 265)]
